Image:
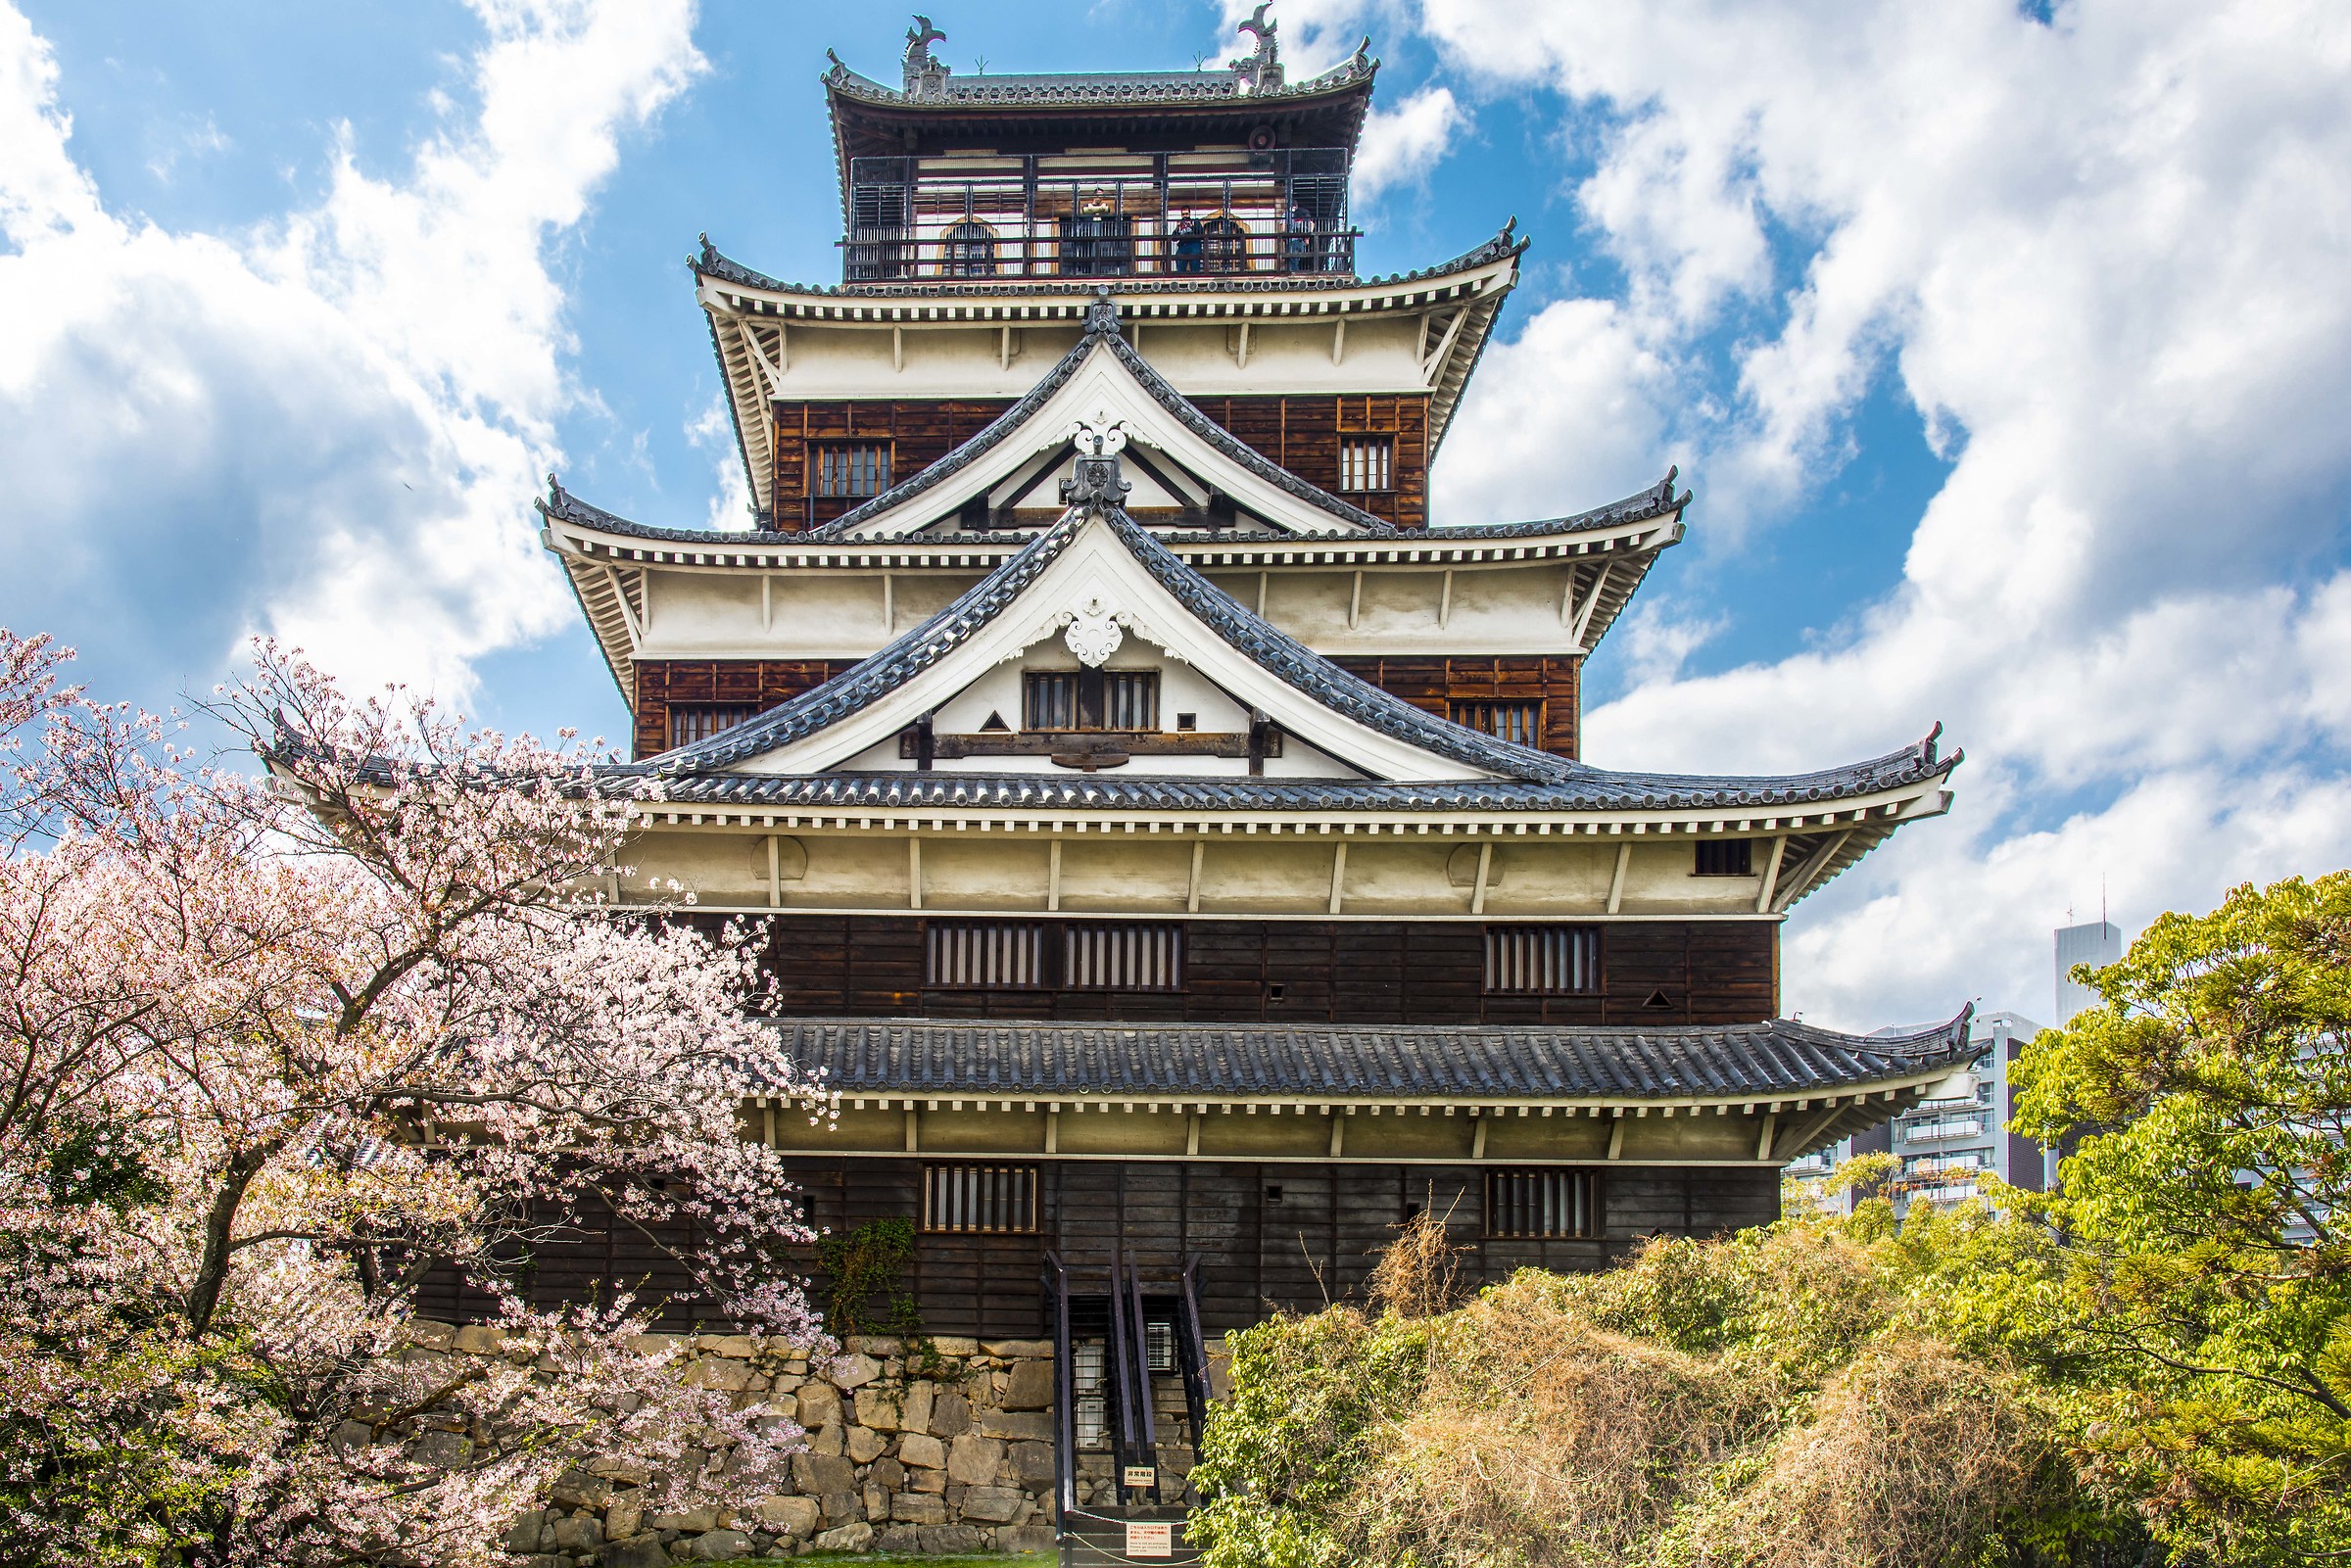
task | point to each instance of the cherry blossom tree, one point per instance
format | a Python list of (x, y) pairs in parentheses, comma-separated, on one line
[(277, 1042)]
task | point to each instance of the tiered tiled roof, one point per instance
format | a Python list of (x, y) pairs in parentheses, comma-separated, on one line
[(1754, 1062)]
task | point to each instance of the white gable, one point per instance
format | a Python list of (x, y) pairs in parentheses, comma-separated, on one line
[(1095, 601), (1103, 390)]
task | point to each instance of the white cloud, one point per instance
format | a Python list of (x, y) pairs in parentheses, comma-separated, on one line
[(1401, 146), (328, 427), (2102, 259), (713, 431)]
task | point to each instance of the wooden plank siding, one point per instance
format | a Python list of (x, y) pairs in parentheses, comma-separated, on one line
[(1302, 434), (1434, 684), (1431, 684), (1328, 972), (1315, 1244), (757, 682)]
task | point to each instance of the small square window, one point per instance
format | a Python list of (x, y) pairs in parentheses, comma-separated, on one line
[(1542, 1204), (990, 1199), (1091, 699), (984, 955), (1367, 464), (1273, 1193), (689, 722), (1187, 722), (1542, 960), (1726, 857), (1520, 723), (849, 467)]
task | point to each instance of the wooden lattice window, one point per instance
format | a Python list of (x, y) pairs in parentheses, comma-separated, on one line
[(984, 955), (983, 1200), (689, 722), (1542, 960), (1090, 700), (1541, 1203), (1122, 958), (1520, 723), (1367, 462), (1726, 857), (852, 468)]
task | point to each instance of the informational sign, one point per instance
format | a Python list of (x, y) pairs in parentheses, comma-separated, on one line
[(1142, 1475), (1149, 1538)]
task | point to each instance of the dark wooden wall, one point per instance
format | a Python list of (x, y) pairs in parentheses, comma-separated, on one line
[(760, 683), (1435, 684), (918, 430), (1427, 683), (1335, 972), (1300, 433), (1316, 1244)]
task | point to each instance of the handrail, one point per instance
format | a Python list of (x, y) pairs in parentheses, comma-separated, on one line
[(1192, 1352), (1065, 1399), (1142, 1369)]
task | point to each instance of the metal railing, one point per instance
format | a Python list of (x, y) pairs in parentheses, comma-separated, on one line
[(1049, 217)]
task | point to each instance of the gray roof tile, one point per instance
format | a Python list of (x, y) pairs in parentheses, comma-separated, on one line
[(1779, 1059)]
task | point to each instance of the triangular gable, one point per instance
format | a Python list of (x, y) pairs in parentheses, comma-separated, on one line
[(1102, 380), (1098, 566)]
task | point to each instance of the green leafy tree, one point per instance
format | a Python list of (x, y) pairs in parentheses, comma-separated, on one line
[(2205, 1278)]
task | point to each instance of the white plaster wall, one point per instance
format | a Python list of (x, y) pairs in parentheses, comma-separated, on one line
[(957, 359)]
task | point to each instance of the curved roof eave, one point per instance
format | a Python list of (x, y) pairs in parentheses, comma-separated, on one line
[(712, 263), (1761, 1065), (1661, 500)]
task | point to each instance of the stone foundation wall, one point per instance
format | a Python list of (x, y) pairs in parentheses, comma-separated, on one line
[(948, 1452)]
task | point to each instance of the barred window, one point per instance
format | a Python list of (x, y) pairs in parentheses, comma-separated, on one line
[(689, 722), (988, 1200), (1543, 959), (1367, 462), (984, 955), (1122, 958), (1520, 723), (1726, 857), (1541, 1202), (1090, 700), (852, 468)]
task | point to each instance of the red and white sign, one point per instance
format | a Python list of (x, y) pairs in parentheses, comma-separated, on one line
[(1146, 1538)]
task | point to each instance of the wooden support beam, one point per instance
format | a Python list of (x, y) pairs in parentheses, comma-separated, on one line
[(1806, 875), (1771, 873), (1485, 866), (1478, 1137), (775, 873), (1616, 1136), (1771, 1125), (1338, 340), (1624, 861), (1053, 876), (1192, 891), (1338, 1134), (914, 1129), (1338, 875), (1591, 601), (914, 872), (1445, 600), (897, 348), (1355, 601)]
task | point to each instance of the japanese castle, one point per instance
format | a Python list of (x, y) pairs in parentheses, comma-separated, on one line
[(1173, 839)]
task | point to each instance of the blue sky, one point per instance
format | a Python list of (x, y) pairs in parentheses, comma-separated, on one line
[(1999, 347)]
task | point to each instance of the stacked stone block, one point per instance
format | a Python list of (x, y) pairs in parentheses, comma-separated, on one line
[(941, 1453)]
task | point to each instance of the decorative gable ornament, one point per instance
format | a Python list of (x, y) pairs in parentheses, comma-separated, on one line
[(1099, 437), (1093, 634)]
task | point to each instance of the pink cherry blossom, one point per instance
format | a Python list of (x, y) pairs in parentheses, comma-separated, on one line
[(282, 1036)]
